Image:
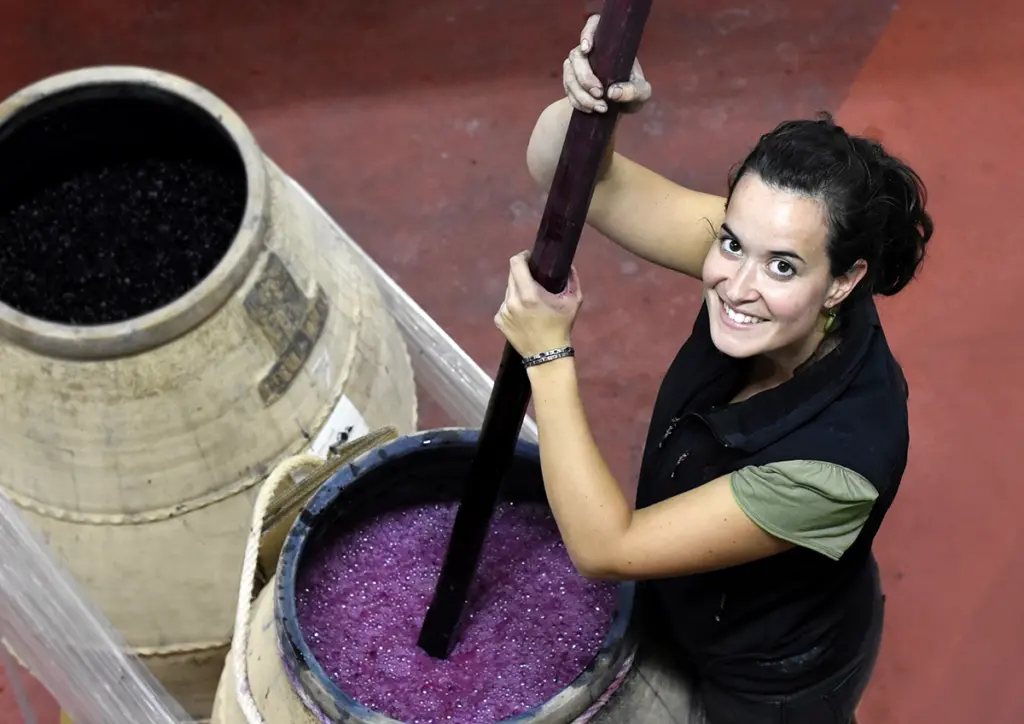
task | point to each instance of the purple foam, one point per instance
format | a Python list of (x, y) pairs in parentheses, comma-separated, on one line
[(534, 623)]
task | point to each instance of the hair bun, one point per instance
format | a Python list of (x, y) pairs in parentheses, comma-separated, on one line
[(907, 226)]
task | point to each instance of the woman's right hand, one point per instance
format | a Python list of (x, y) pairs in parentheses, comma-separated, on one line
[(584, 89)]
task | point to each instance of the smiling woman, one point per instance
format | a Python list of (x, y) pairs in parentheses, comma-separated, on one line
[(780, 434)]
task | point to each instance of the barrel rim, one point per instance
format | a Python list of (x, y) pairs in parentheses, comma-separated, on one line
[(299, 660), (172, 320)]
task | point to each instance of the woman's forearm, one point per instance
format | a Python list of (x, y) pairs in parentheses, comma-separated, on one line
[(589, 506)]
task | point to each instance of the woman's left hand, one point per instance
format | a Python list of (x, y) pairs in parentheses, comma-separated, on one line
[(533, 319)]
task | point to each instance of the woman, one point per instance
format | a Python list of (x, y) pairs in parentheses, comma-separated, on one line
[(779, 435)]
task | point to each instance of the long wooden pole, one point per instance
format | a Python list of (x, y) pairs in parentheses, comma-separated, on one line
[(586, 141)]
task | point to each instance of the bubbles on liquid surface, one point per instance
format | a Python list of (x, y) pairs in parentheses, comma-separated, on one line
[(533, 623)]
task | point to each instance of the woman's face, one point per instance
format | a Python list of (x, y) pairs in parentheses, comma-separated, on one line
[(766, 280)]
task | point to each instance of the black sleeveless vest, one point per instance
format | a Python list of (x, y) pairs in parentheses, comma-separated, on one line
[(786, 621)]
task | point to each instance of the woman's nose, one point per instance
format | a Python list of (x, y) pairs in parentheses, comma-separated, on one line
[(741, 285)]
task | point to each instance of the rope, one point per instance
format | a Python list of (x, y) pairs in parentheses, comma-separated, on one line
[(140, 518), (156, 652), (608, 693), (247, 585), (148, 652)]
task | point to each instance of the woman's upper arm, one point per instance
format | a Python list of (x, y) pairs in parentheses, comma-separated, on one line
[(756, 512), (656, 219), (700, 530)]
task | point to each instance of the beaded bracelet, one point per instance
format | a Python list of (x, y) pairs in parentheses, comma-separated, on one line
[(549, 356)]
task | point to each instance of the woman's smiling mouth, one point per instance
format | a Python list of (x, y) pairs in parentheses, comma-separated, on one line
[(735, 319)]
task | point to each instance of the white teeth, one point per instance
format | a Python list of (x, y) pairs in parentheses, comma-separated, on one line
[(741, 318)]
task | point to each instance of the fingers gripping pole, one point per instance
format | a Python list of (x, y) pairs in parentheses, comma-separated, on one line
[(587, 139)]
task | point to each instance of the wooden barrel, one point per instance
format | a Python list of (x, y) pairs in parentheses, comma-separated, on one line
[(286, 683), (174, 319)]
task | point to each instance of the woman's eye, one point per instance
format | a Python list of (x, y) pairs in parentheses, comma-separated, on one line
[(781, 268), (730, 246)]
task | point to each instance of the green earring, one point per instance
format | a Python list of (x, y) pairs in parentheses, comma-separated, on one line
[(830, 319)]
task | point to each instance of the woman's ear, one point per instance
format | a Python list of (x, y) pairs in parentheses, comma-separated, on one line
[(845, 283)]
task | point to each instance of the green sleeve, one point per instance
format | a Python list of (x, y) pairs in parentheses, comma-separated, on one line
[(811, 504)]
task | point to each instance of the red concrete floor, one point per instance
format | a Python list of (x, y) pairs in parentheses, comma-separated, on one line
[(410, 126)]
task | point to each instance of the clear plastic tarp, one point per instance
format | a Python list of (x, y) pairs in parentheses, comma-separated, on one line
[(51, 627)]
